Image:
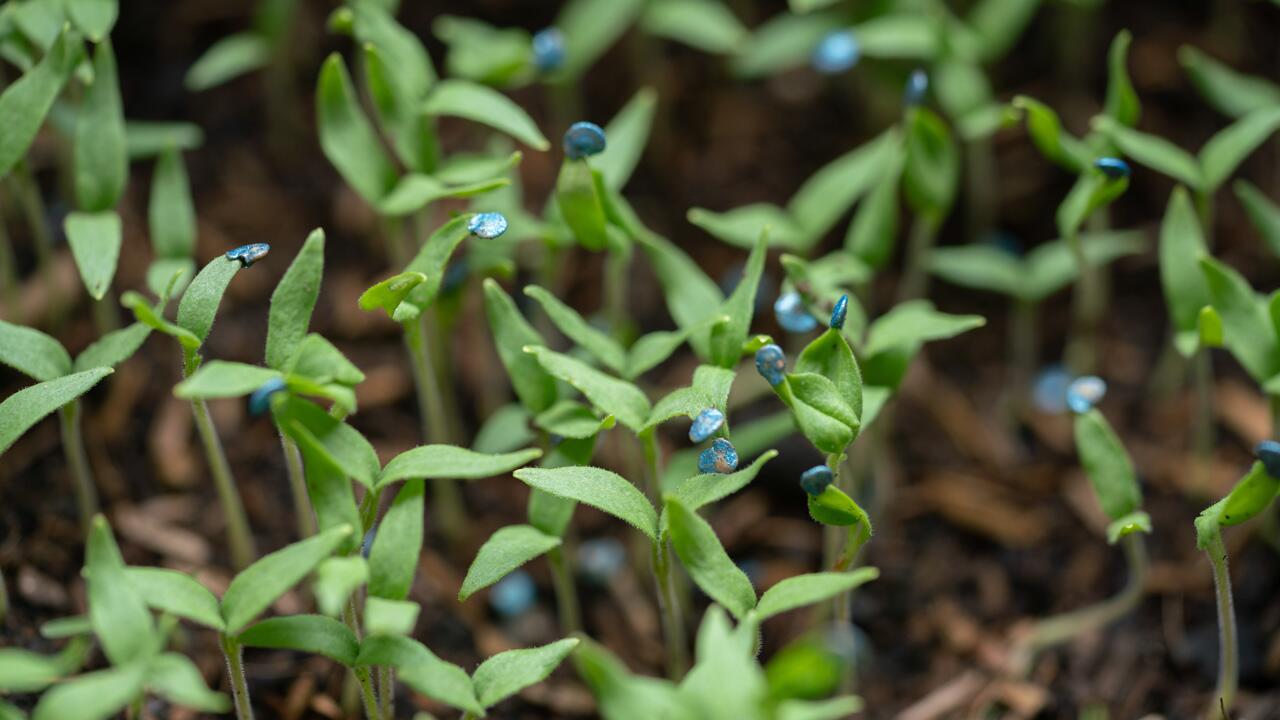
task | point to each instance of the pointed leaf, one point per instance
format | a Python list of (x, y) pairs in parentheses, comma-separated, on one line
[(728, 337), (420, 669), (101, 164), (707, 26), (576, 328), (1107, 464), (610, 395), (176, 593), (1181, 247), (316, 634), (535, 387), (1247, 330), (432, 259), (199, 304), (336, 579), (1262, 212), (704, 557), (347, 137), (507, 673), (598, 488), (95, 244), (228, 58), (1122, 101), (830, 356), (1229, 147), (979, 266), (451, 462), (175, 678), (25, 103), (263, 582), (29, 405), (504, 551), (834, 188), (1232, 93), (478, 103), (1154, 152), (743, 226), (802, 590), (913, 323), (293, 301), (32, 353), (119, 616), (388, 294), (628, 133), (93, 696), (220, 378), (394, 555)]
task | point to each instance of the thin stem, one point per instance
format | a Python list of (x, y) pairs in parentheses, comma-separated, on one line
[(915, 278), (672, 624), (33, 210), (1228, 652), (1087, 307), (1202, 433), (448, 507), (361, 673), (235, 670), (649, 445), (298, 486), (387, 691), (78, 461), (566, 591)]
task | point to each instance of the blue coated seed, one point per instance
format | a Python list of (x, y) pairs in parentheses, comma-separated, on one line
[(1085, 392), (513, 594), (719, 458), (816, 479), (1268, 451), (1114, 168), (916, 87), (583, 139), (260, 400), (836, 52), (487, 225), (1004, 242), (249, 254), (771, 363), (601, 558), (839, 313), (791, 315), (705, 425), (366, 545), (548, 49), (1049, 392)]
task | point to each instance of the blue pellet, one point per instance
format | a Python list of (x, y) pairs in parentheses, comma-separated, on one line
[(583, 139), (721, 458), (816, 479), (917, 85), (514, 594), (249, 254), (771, 363), (260, 400), (839, 313), (837, 52), (1114, 168), (548, 49), (1085, 392), (791, 314), (1268, 452), (706, 424), (487, 225)]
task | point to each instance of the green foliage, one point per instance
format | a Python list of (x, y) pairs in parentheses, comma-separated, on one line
[(119, 615), (199, 304), (1264, 213), (504, 551), (172, 221), (263, 582), (314, 634), (704, 557), (101, 164), (293, 301), (535, 386), (177, 594), (32, 352), (507, 673), (26, 102), (394, 556), (347, 137), (1246, 323), (1230, 92), (611, 396), (802, 590), (1185, 290), (29, 405), (459, 98), (228, 58), (1107, 464), (95, 239), (598, 488)]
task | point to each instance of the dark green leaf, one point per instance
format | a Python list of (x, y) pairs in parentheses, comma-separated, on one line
[(263, 582), (101, 164), (431, 261), (704, 557), (199, 304), (315, 634), (394, 556), (598, 488)]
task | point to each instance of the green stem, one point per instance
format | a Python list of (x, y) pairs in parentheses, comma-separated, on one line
[(1228, 652), (387, 691), (361, 673), (915, 278), (649, 445), (616, 282), (235, 670), (33, 210), (672, 624), (448, 507), (1057, 629), (8, 272), (566, 591), (1087, 308), (78, 461), (298, 486)]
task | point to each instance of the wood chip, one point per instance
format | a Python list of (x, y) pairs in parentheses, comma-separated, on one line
[(979, 505), (40, 589), (149, 531), (947, 700)]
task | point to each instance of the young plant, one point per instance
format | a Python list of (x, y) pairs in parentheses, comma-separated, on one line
[(1250, 497)]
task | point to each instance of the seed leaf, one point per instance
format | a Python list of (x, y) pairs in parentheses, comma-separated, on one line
[(263, 582), (397, 101), (1250, 496), (316, 359), (871, 235), (833, 507), (94, 18), (1052, 266), (293, 301), (394, 556), (478, 103), (628, 133), (704, 557), (1154, 152), (821, 394), (507, 673), (431, 261), (1121, 103), (913, 323), (691, 296), (1229, 147), (728, 336), (932, 171), (1045, 129), (576, 328), (504, 551), (347, 137), (481, 52), (701, 490), (1137, 521), (220, 378), (783, 42), (980, 266), (390, 617), (388, 294), (1186, 291), (119, 616), (590, 27), (228, 58), (420, 669), (451, 462), (374, 24), (32, 353), (92, 696), (581, 208), (176, 593), (624, 696), (1107, 464), (336, 579), (175, 678), (707, 26), (316, 634), (598, 488), (610, 395), (830, 356), (29, 405), (834, 188), (67, 627), (1264, 213), (802, 590), (1230, 92), (25, 103), (415, 191), (95, 244), (535, 387), (743, 226), (571, 419), (22, 671), (171, 216), (101, 164), (199, 304), (343, 443), (328, 486), (148, 139), (999, 23), (903, 35), (651, 350), (1247, 331)]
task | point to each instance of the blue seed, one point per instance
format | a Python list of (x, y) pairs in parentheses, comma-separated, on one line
[(548, 49), (487, 225), (705, 425), (719, 458), (601, 558), (1049, 392), (791, 315), (249, 254), (771, 363), (1268, 451), (916, 87), (1114, 168), (836, 52), (1004, 242), (583, 139), (839, 313), (816, 479), (513, 594), (260, 400), (366, 545), (1085, 392)]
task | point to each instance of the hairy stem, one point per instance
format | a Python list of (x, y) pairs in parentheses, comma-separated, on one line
[(566, 591), (235, 671), (672, 623), (78, 462), (448, 508), (1228, 652), (239, 538), (298, 486), (361, 673), (1058, 629), (387, 691)]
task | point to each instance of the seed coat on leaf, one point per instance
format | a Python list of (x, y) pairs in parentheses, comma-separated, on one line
[(771, 363), (721, 458), (1085, 392), (706, 424), (816, 479), (548, 49), (487, 225), (583, 139), (249, 254)]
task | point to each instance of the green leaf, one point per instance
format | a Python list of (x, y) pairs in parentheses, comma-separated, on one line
[(831, 709), (451, 462), (1137, 521), (484, 105), (481, 52), (374, 24), (293, 301), (95, 244), (628, 132), (784, 42), (390, 617), (535, 387), (175, 678), (176, 593), (22, 671), (25, 103), (67, 627), (980, 266), (263, 582), (570, 419), (171, 216), (32, 353), (346, 447), (1255, 491), (347, 137), (1229, 147), (316, 634), (703, 24), (1262, 212), (1230, 92), (220, 378), (388, 294), (651, 350), (507, 673), (743, 226), (432, 259), (421, 670), (999, 24), (1122, 101), (1154, 152), (1107, 464), (603, 347), (199, 304), (931, 174), (598, 488), (829, 192), (704, 557), (913, 36), (578, 199), (415, 191), (228, 58), (93, 696), (1045, 129), (590, 28), (624, 696), (1185, 289), (150, 139), (824, 417), (834, 507), (1247, 331), (29, 405), (610, 395), (871, 235), (802, 590), (94, 18), (318, 360), (691, 296), (119, 616), (725, 652), (728, 336), (328, 487), (710, 389), (701, 490), (910, 324), (506, 429), (504, 551), (101, 164), (830, 356), (1052, 266), (394, 555), (336, 579), (1209, 328)]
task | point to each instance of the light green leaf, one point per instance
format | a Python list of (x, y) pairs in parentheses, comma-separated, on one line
[(1247, 331), (830, 356), (1250, 496), (507, 673), (95, 244), (175, 678), (598, 488), (1154, 152), (390, 617), (691, 296), (431, 261), (931, 174), (263, 582), (481, 52), (1045, 129), (783, 42), (199, 304), (580, 205), (824, 417), (505, 430), (150, 139), (704, 557), (729, 336), (94, 18), (415, 191), (316, 359), (1262, 212), (336, 579), (101, 165), (912, 36), (628, 132), (624, 696), (1051, 266), (1137, 521), (871, 235), (171, 216), (119, 616), (32, 353), (999, 24), (484, 105), (347, 137), (1232, 93), (832, 709), (980, 266), (610, 395), (398, 544), (912, 323), (1122, 101), (93, 696), (702, 490), (703, 24), (375, 24), (221, 378), (388, 294), (451, 462), (1107, 464), (343, 444), (743, 226), (25, 103), (1181, 247), (293, 301), (571, 419), (66, 627), (22, 671), (316, 634), (590, 28), (29, 405), (228, 58), (421, 670), (535, 387), (504, 551), (576, 328), (833, 507), (176, 593), (1229, 147), (651, 350), (829, 192), (802, 590)]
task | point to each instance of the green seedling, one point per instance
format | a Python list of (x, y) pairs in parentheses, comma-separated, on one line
[(241, 53)]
